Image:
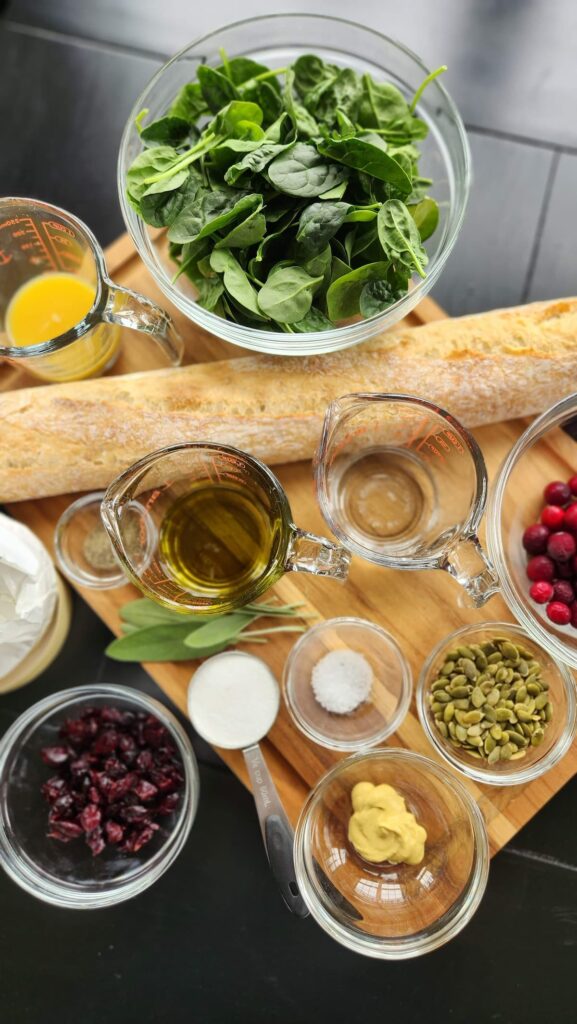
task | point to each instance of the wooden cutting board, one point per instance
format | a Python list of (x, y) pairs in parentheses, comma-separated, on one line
[(417, 608)]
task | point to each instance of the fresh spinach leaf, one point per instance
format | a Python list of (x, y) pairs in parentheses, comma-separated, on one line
[(314, 320), (344, 294), (377, 296), (158, 159), (217, 90), (366, 157), (318, 223), (287, 294), (236, 282), (399, 236), (254, 161), (169, 131), (302, 171), (189, 104), (211, 212), (380, 103), (247, 233), (426, 216)]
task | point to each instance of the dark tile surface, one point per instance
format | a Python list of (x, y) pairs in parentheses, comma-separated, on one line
[(211, 941), (64, 108), (489, 264), (554, 272), (511, 62)]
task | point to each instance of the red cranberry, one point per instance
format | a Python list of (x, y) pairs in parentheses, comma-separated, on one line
[(553, 516), (573, 485), (535, 539), (540, 568), (561, 546), (559, 613), (570, 517), (541, 592), (563, 591), (563, 571), (557, 493)]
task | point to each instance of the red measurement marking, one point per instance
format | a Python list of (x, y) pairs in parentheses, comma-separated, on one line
[(63, 243), (4, 258)]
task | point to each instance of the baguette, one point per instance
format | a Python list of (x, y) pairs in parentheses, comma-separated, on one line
[(484, 368)]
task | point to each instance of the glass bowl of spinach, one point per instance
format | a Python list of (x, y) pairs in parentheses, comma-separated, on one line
[(294, 183)]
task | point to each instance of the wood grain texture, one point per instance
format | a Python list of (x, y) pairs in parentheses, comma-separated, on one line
[(417, 609)]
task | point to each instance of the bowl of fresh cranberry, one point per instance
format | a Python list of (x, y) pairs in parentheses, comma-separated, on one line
[(532, 530), (98, 792)]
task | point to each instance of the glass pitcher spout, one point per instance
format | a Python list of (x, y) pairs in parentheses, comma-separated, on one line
[(469, 565), (317, 555)]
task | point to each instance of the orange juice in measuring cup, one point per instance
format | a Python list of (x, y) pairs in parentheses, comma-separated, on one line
[(60, 315), (403, 484)]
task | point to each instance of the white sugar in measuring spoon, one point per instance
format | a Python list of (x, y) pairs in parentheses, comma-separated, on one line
[(233, 700)]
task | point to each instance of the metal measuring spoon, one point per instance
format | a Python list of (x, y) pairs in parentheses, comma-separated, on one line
[(215, 710)]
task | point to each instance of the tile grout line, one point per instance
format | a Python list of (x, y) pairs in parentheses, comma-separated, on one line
[(87, 42), (545, 203), (540, 858), (82, 42)]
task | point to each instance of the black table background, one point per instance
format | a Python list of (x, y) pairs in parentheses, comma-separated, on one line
[(211, 942)]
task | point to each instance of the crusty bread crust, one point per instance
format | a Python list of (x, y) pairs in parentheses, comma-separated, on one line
[(483, 368)]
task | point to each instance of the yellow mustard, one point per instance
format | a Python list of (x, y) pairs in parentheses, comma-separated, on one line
[(382, 829)]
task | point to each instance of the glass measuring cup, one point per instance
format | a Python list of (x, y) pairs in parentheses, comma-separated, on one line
[(231, 562), (218, 711), (402, 484), (37, 239)]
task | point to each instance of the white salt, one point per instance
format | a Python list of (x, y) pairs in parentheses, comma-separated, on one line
[(342, 681)]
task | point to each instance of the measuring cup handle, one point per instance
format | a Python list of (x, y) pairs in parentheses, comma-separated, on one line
[(129, 309), (276, 830), (468, 563), (317, 555)]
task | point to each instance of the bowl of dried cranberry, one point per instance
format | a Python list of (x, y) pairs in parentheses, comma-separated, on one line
[(532, 530), (98, 792)]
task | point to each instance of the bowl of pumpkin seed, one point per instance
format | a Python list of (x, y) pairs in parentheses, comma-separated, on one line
[(496, 705)]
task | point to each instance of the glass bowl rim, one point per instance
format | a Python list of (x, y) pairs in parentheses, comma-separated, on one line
[(339, 337), (548, 420), (410, 946), (405, 695), (70, 896), (516, 776)]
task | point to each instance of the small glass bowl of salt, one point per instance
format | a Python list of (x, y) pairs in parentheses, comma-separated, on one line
[(347, 684)]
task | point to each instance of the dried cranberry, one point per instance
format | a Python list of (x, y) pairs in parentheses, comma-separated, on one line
[(561, 546), (145, 761), (114, 767), (55, 755), (54, 788), (95, 841), (82, 764), (135, 814), (106, 742), (65, 831), (143, 837), (145, 790), (63, 804), (114, 832), (169, 803), (128, 749), (90, 817), (557, 493)]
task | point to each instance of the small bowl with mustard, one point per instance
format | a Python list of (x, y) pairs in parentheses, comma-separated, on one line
[(391, 854), (496, 705)]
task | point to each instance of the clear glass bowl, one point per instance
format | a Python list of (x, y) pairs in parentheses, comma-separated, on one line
[(67, 875), (516, 501), (375, 719), (277, 40), (391, 911), (558, 735), (79, 526)]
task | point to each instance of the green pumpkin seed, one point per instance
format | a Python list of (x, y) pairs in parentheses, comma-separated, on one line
[(449, 712), (489, 744), (493, 696), (461, 733), (518, 755), (537, 738), (469, 668), (541, 701), (466, 652), (463, 704), (460, 680), (506, 751), (521, 694), (508, 650), (477, 697), (474, 730), (501, 675), (447, 668), (494, 755), (442, 697), (472, 717), (460, 692), (442, 728)]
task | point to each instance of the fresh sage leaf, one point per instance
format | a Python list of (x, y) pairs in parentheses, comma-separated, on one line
[(222, 630), (165, 642)]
